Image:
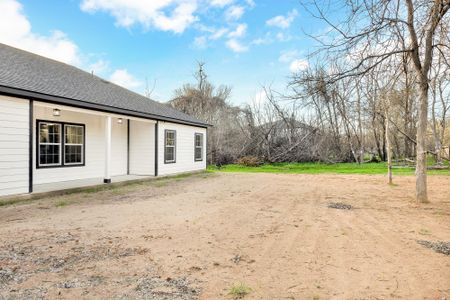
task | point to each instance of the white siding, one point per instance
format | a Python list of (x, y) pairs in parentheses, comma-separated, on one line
[(142, 148), (95, 147), (185, 161), (119, 148), (14, 145)]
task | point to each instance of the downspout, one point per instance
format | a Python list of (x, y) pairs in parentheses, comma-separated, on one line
[(30, 147), (156, 148)]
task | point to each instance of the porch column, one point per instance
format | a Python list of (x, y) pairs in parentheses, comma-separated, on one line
[(108, 127)]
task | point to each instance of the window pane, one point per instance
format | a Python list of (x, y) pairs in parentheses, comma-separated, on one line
[(169, 154), (54, 133), (49, 133), (170, 138), (43, 133), (49, 154), (73, 134), (198, 153), (198, 140), (73, 154)]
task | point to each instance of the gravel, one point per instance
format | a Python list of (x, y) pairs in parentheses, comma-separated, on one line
[(25, 294), (339, 205), (439, 246), (156, 288)]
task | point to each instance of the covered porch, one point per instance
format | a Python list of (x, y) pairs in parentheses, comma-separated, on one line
[(76, 147)]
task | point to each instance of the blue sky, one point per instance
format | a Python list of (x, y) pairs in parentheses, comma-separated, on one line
[(244, 43)]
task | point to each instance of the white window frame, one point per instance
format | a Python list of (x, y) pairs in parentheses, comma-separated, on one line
[(174, 146), (198, 147), (70, 144), (51, 144)]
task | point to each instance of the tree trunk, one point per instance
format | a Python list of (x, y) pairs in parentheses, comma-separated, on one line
[(388, 145), (360, 131), (421, 159)]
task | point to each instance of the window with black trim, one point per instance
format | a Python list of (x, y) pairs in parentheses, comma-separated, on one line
[(198, 147), (60, 144), (49, 150), (73, 144), (170, 141)]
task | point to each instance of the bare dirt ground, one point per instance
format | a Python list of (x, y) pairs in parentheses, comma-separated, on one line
[(195, 237)]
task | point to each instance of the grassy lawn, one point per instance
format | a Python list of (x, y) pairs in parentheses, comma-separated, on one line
[(320, 168)]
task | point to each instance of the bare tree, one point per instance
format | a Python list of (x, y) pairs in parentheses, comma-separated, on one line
[(376, 32), (209, 103), (149, 89)]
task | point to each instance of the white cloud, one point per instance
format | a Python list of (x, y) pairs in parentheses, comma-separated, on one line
[(288, 56), (282, 37), (240, 31), (250, 3), (200, 42), (15, 30), (234, 13), (147, 13), (236, 46), (261, 41), (123, 78), (99, 67), (218, 33), (221, 3), (298, 65), (283, 22)]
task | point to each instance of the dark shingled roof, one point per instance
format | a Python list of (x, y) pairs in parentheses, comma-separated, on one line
[(24, 71)]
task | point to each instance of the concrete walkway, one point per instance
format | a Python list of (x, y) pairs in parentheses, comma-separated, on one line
[(70, 184)]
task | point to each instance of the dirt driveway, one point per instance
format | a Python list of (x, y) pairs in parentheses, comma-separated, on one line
[(195, 237)]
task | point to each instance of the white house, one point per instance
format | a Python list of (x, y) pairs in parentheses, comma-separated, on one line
[(63, 127)]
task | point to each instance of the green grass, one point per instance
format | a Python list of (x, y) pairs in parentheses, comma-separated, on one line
[(321, 168), (239, 291), (61, 203), (13, 201)]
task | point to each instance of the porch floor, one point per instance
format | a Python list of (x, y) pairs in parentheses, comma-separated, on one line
[(70, 184)]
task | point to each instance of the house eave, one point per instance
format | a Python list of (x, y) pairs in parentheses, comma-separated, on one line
[(10, 91)]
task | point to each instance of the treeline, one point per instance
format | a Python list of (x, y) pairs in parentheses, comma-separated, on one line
[(345, 121), (377, 85)]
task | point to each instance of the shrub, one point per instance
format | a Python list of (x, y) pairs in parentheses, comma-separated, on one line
[(249, 161)]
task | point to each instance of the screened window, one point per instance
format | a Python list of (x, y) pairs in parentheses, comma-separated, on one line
[(170, 137), (73, 144), (49, 144), (60, 144), (198, 147)]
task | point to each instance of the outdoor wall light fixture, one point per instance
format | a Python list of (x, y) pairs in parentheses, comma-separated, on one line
[(56, 112), (120, 120)]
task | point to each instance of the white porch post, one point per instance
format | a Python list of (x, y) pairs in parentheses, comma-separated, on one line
[(108, 127)]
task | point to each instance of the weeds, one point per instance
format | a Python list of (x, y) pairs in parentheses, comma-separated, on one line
[(239, 291), (61, 203), (424, 231)]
